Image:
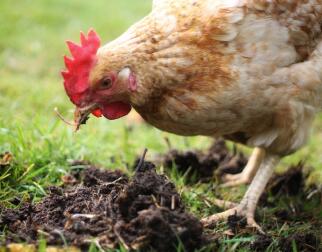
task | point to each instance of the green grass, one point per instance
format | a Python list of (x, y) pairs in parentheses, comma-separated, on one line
[(32, 35)]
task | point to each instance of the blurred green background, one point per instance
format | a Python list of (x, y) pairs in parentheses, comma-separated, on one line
[(32, 35)]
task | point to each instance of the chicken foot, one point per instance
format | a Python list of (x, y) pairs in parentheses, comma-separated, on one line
[(246, 208), (247, 175)]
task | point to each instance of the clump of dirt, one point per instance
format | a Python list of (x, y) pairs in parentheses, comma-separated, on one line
[(291, 183), (144, 212), (201, 166), (261, 243), (296, 206), (236, 223), (290, 189), (303, 242)]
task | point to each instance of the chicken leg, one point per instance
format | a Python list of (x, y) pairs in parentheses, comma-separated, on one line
[(246, 208), (246, 176)]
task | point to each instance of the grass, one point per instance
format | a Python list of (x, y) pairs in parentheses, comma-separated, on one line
[(31, 47)]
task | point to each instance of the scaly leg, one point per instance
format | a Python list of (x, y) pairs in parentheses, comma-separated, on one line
[(246, 176), (246, 208)]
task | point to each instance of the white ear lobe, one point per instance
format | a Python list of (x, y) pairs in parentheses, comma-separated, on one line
[(124, 74)]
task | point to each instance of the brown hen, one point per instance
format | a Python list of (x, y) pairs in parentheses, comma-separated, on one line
[(250, 71)]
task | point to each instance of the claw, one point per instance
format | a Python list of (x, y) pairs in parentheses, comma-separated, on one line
[(211, 221), (246, 208), (253, 224)]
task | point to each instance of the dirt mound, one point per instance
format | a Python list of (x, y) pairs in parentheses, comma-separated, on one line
[(294, 205), (145, 212), (290, 188), (107, 207), (202, 166)]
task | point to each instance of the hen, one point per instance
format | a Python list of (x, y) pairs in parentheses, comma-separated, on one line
[(247, 70)]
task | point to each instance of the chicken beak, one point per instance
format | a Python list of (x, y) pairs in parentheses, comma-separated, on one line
[(81, 115)]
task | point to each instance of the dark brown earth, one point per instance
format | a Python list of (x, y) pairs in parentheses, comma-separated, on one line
[(204, 165), (146, 212), (143, 212), (287, 190), (295, 205)]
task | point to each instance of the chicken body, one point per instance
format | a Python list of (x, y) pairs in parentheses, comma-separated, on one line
[(247, 70), (250, 71)]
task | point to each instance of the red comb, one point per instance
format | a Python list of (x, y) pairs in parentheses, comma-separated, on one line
[(78, 68)]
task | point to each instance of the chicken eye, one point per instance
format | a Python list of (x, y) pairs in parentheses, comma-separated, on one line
[(106, 83)]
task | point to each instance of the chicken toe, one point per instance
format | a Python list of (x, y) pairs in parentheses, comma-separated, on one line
[(238, 211), (246, 208)]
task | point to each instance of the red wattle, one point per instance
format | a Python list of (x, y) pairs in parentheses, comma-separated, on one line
[(97, 112), (116, 110)]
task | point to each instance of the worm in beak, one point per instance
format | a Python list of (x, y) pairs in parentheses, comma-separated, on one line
[(81, 115)]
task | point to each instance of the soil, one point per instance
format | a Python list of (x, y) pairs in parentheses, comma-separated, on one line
[(144, 212), (297, 206), (261, 243), (287, 189), (198, 166), (304, 242), (236, 223)]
